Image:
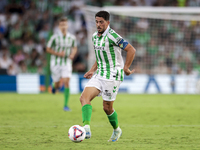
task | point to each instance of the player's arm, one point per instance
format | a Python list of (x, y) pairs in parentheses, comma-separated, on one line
[(73, 53), (124, 45), (129, 59), (51, 51), (74, 49), (90, 73)]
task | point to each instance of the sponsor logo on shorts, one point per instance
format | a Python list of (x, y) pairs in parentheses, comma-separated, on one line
[(106, 93)]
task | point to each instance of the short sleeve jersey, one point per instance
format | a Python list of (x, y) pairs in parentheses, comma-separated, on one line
[(109, 60), (60, 43)]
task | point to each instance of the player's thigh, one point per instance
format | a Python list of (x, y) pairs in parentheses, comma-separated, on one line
[(89, 93), (55, 73), (66, 70), (91, 90), (110, 90)]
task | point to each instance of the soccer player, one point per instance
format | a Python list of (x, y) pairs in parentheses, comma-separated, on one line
[(109, 74), (62, 48)]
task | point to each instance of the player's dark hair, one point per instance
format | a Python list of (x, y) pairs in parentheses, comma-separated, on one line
[(104, 14), (62, 19)]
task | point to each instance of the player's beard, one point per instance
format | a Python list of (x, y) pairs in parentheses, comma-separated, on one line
[(101, 32)]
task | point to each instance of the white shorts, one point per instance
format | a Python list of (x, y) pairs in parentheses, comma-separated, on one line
[(108, 88), (63, 71)]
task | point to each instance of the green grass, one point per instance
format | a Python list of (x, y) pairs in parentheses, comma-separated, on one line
[(149, 122)]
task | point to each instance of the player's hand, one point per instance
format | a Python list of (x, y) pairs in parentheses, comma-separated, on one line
[(71, 57), (88, 75), (128, 71), (61, 54)]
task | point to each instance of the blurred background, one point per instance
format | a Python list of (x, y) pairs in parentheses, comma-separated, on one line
[(168, 49)]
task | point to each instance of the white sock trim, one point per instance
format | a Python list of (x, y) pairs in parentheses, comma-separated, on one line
[(87, 126), (112, 113), (117, 129)]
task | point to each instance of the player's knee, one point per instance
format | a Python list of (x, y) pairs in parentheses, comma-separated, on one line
[(83, 100), (66, 85), (107, 110)]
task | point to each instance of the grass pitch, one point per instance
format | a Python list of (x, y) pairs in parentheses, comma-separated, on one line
[(148, 122)]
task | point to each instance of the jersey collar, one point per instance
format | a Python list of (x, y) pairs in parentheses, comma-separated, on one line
[(106, 31)]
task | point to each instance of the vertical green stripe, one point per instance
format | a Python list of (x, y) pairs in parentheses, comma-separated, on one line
[(104, 43), (112, 53), (97, 62), (65, 60), (99, 40), (117, 74), (122, 75), (56, 61), (57, 56), (107, 65), (95, 39), (66, 51), (102, 71), (61, 58), (53, 43)]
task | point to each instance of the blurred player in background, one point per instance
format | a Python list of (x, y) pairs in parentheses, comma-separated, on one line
[(110, 73), (62, 48)]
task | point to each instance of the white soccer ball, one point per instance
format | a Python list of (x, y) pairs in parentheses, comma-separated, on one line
[(76, 133)]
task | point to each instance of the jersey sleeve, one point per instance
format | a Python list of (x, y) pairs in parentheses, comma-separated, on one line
[(51, 42), (117, 40)]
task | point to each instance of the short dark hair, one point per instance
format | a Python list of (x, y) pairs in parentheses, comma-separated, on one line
[(62, 19), (104, 14)]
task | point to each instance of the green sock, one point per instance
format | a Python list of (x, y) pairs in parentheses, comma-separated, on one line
[(113, 120), (86, 114), (66, 96)]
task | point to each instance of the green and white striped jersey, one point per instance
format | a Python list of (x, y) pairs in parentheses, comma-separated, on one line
[(108, 55), (60, 43)]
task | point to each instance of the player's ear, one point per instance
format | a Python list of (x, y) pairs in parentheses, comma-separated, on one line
[(108, 21)]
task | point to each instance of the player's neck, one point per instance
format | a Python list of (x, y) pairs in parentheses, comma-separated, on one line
[(64, 33), (99, 34)]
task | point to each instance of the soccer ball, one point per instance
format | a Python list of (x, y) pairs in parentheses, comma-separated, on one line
[(76, 133)]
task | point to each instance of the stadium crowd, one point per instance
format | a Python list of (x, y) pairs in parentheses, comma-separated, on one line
[(25, 27)]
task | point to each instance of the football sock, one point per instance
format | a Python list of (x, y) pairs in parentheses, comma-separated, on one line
[(113, 120), (66, 97), (86, 114)]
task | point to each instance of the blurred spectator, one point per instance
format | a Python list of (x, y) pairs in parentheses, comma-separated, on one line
[(161, 68), (45, 32), (16, 32), (197, 44), (15, 45), (12, 69), (5, 61), (19, 56), (2, 28), (22, 67), (57, 10)]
